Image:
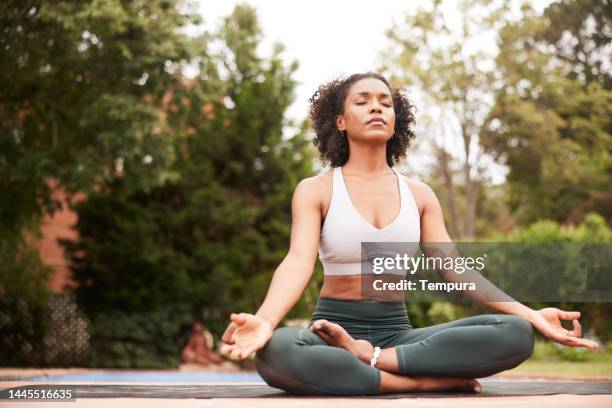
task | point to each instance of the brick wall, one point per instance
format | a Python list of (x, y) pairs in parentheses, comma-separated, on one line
[(51, 252)]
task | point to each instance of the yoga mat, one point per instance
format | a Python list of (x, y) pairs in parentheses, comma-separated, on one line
[(489, 389)]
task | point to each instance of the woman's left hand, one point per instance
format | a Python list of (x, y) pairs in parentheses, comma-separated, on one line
[(548, 322)]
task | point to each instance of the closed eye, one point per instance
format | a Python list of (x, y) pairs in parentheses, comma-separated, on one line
[(383, 104)]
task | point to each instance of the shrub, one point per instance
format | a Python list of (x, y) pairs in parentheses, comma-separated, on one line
[(139, 340)]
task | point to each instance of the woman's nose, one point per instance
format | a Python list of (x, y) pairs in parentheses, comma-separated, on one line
[(375, 107)]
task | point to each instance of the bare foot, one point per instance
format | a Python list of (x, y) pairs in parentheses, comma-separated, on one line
[(336, 336), (393, 383), (447, 384)]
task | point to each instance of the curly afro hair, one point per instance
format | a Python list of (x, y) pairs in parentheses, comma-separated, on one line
[(328, 102)]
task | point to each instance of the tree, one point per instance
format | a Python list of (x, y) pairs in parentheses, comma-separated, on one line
[(208, 238), (551, 128), (580, 31), (73, 76), (440, 63)]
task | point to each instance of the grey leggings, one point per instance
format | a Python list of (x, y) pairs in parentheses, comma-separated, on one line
[(300, 362)]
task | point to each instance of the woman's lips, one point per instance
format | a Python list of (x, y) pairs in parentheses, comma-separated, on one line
[(376, 119)]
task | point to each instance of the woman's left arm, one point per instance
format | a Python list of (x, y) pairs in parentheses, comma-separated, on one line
[(547, 320)]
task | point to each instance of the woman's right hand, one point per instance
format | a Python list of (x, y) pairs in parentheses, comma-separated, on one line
[(245, 334)]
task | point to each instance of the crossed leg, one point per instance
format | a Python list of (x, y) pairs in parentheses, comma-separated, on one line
[(476, 346), (300, 362)]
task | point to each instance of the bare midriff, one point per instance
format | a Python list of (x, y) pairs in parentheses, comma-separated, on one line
[(361, 287), (345, 287)]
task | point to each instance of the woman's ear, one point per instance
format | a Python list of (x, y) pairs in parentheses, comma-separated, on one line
[(340, 123)]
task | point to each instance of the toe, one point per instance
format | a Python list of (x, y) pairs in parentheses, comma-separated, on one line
[(318, 324), (333, 329)]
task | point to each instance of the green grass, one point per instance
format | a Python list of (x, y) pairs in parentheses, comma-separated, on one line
[(551, 360), (570, 369)]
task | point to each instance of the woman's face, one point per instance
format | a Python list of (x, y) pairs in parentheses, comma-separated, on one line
[(368, 111)]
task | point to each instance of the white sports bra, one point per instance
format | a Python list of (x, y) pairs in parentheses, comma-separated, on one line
[(345, 229)]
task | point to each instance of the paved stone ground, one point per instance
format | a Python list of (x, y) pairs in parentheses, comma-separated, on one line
[(539, 401), (549, 401)]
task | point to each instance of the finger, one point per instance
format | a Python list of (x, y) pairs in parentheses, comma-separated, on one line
[(564, 340), (228, 334), (320, 329), (577, 329), (226, 349), (320, 325), (310, 326), (316, 325), (578, 342), (246, 351), (239, 318), (235, 354), (568, 315), (326, 337), (590, 344)]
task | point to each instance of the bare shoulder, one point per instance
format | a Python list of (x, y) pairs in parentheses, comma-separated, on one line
[(418, 186), (314, 189), (423, 194)]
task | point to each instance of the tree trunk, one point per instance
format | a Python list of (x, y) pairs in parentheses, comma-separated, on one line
[(444, 168)]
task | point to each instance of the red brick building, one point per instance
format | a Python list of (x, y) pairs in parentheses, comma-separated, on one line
[(51, 252)]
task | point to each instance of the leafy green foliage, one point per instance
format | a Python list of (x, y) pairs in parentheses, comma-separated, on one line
[(73, 80), (22, 324), (151, 339), (550, 126), (580, 32), (594, 229), (209, 237), (548, 351), (440, 58)]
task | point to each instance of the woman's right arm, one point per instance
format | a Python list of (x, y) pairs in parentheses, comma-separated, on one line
[(245, 333), (294, 272)]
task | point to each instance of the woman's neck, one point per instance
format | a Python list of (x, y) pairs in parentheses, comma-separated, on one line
[(367, 160)]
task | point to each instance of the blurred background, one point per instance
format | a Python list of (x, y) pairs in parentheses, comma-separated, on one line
[(149, 151)]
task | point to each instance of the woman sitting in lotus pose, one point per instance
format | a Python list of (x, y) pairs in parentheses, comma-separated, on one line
[(355, 346)]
